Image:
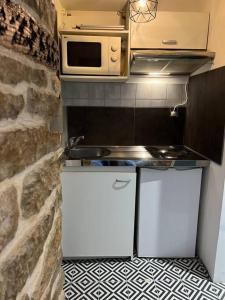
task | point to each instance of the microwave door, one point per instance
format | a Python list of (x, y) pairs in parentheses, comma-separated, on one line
[(85, 57)]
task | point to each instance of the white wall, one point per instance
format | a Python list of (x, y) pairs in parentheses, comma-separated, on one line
[(219, 271), (182, 5), (167, 5), (211, 238)]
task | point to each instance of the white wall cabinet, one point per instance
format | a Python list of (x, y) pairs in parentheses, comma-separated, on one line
[(98, 213), (168, 206), (172, 30)]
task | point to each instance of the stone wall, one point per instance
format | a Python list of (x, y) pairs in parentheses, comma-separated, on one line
[(30, 156)]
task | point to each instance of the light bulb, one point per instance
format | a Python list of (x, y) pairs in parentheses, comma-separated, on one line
[(142, 3)]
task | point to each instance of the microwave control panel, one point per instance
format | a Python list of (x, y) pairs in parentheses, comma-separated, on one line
[(114, 55)]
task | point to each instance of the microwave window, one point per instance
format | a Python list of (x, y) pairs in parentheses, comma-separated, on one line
[(84, 54)]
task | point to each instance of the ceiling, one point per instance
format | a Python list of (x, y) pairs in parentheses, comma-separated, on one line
[(94, 5)]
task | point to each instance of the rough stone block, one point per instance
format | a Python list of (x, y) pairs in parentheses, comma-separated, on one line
[(24, 297), (52, 260), (9, 214), (38, 185), (23, 258), (21, 148), (58, 286), (32, 4), (45, 105), (47, 14), (10, 106), (45, 10), (15, 72), (56, 84)]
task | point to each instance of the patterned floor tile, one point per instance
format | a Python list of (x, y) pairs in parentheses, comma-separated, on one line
[(168, 281), (191, 266), (67, 290), (90, 292), (171, 296), (113, 290), (202, 296), (195, 281), (69, 271), (139, 267), (84, 268), (174, 269), (147, 291), (200, 270), (214, 290), (114, 266), (139, 279), (187, 263)]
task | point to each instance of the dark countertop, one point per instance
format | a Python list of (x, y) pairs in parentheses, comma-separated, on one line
[(139, 156)]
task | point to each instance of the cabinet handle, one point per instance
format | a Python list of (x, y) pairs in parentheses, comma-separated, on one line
[(123, 181), (169, 42)]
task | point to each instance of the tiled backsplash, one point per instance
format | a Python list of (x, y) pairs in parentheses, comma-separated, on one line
[(125, 125), (122, 94)]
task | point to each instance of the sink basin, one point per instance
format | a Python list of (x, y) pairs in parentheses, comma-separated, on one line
[(88, 152)]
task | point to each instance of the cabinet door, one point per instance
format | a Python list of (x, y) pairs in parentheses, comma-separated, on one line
[(172, 30), (168, 212), (98, 214)]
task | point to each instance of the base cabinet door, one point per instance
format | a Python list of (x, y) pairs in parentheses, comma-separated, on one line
[(98, 214), (168, 205)]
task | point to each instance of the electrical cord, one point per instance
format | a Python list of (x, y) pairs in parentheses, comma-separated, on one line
[(174, 112)]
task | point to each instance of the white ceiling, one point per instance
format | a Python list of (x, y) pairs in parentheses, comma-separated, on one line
[(94, 5)]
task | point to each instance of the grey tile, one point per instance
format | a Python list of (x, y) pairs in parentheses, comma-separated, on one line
[(158, 91), (96, 102), (75, 102), (120, 103), (172, 102), (176, 92), (128, 91), (112, 91), (150, 103), (75, 90), (143, 91), (96, 91)]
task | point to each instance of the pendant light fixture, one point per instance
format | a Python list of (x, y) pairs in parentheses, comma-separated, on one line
[(143, 11)]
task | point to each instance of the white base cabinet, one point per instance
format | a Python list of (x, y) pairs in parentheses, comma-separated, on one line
[(98, 213), (168, 205)]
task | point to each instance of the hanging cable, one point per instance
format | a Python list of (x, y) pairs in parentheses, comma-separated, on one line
[(174, 111)]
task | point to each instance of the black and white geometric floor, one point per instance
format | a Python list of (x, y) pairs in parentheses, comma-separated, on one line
[(140, 279)]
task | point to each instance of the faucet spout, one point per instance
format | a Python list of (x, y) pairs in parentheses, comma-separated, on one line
[(74, 141)]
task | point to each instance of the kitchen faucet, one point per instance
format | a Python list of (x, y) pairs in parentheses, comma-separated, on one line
[(74, 141)]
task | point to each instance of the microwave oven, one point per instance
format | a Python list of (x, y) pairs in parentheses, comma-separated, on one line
[(91, 55)]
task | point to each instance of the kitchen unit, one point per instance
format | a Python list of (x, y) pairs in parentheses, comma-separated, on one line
[(99, 192), (178, 45), (168, 31)]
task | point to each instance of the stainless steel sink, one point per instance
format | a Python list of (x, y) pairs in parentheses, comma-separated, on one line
[(88, 152)]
